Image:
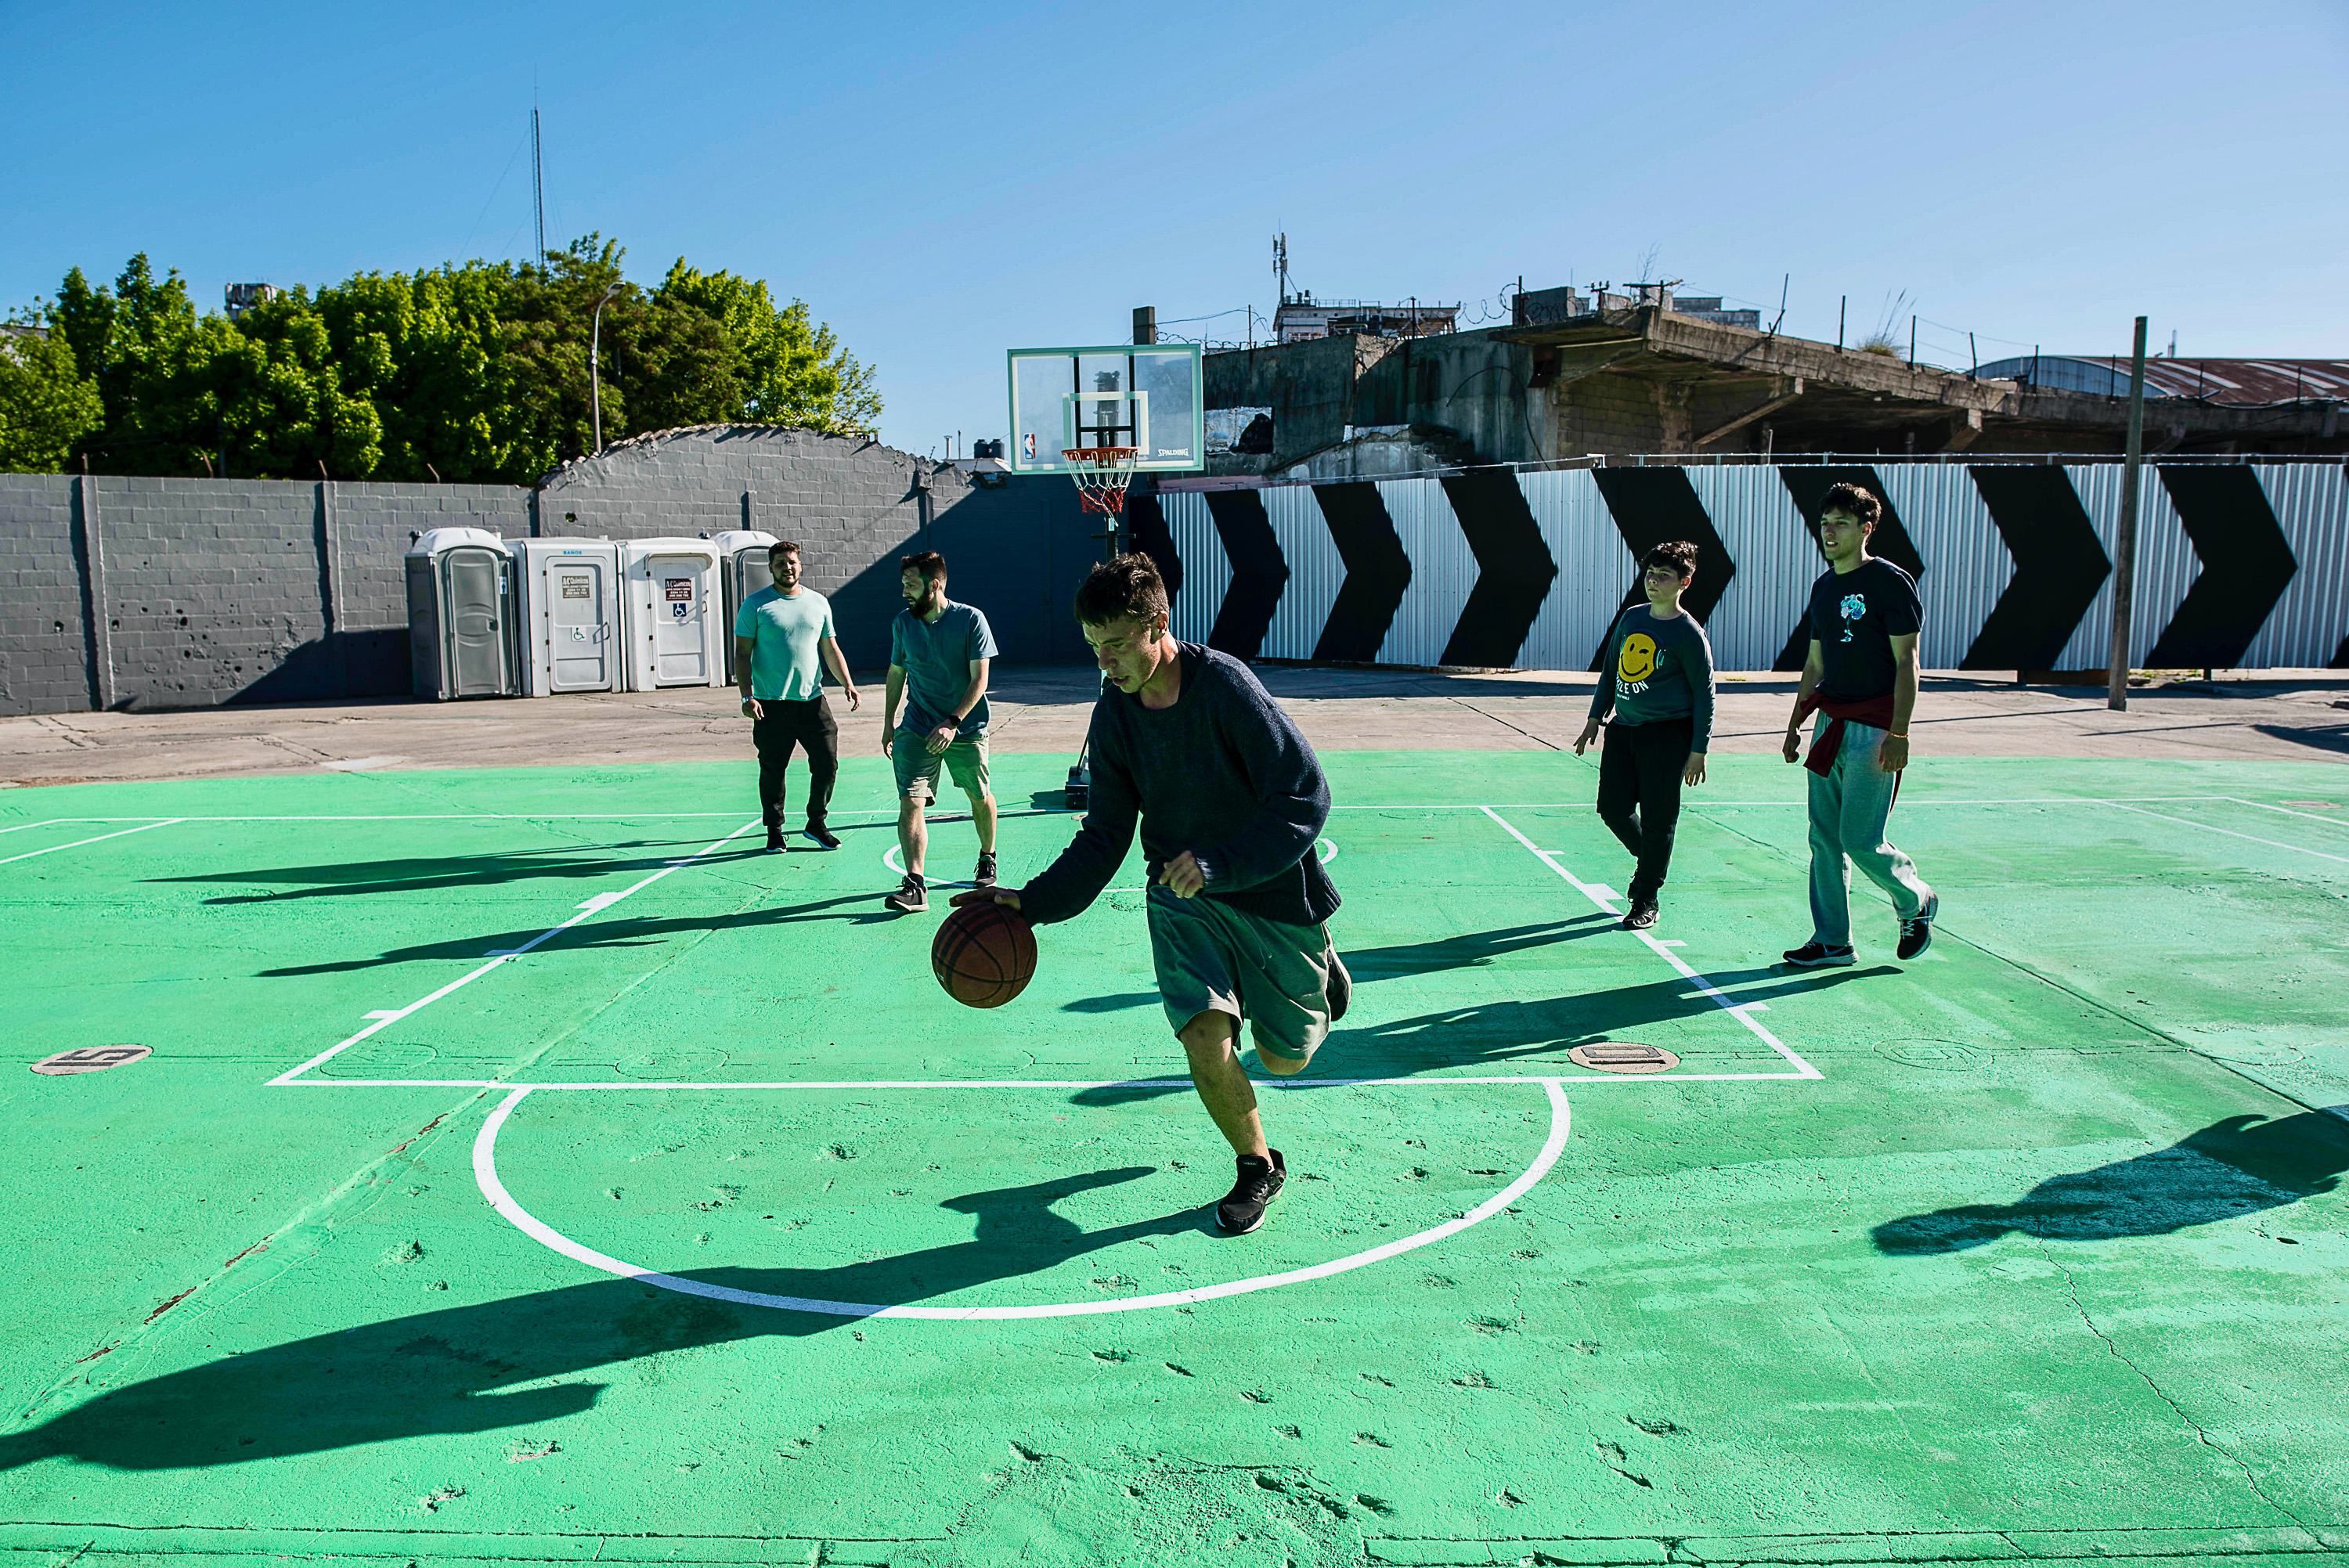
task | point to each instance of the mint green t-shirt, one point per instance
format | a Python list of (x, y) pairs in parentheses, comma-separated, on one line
[(784, 663)]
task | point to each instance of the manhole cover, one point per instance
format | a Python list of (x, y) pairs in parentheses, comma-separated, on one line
[(91, 1059), (1623, 1057)]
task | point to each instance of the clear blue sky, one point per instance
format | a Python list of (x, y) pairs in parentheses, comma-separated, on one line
[(942, 183)]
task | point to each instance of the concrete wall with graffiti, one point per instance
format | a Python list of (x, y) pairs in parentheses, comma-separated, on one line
[(2238, 565)]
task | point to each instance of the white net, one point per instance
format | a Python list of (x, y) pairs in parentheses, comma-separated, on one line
[(1102, 474)]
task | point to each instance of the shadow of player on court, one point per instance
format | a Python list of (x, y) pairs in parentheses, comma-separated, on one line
[(431, 873), (2236, 1166), (461, 1369), (1494, 1032), (620, 932)]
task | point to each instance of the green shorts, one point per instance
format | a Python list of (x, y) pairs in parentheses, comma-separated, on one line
[(917, 770), (1213, 958)]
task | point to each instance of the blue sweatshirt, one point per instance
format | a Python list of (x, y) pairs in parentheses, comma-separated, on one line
[(1223, 773)]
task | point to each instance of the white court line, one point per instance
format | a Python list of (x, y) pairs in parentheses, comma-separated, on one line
[(43, 823), (485, 1173), (2255, 838), (588, 910), (1737, 1010), (1596, 1079), (78, 843), (2307, 816)]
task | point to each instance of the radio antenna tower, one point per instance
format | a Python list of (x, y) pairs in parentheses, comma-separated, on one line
[(1280, 266), (538, 187)]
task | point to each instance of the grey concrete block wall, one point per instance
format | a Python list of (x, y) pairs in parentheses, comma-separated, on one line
[(229, 591), (45, 665)]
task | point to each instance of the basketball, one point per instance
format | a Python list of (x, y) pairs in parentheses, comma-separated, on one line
[(984, 953)]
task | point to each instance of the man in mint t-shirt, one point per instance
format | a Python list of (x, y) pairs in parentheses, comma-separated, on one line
[(1658, 680), (939, 652), (780, 634)]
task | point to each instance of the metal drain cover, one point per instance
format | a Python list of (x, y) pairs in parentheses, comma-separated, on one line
[(91, 1059), (1623, 1057)]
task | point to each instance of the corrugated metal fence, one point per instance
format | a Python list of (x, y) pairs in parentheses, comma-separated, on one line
[(2238, 565)]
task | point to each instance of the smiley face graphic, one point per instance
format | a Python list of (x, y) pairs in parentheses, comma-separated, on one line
[(1637, 660)]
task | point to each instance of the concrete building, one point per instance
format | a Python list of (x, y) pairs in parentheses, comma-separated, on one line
[(1611, 374), (1302, 318)]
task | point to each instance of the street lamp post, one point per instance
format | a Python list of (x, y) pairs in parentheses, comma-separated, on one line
[(594, 354)]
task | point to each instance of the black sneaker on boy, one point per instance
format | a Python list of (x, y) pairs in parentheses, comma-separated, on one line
[(825, 839), (774, 841), (1642, 915), (1259, 1182), (1917, 931), (1818, 956)]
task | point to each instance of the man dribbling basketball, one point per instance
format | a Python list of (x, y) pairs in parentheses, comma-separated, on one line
[(1231, 801)]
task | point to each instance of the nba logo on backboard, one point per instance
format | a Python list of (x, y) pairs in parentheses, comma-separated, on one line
[(1028, 444)]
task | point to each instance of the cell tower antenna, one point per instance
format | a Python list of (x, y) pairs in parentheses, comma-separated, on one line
[(538, 186), (1280, 266)]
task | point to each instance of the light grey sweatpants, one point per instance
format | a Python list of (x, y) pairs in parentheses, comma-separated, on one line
[(1850, 810)]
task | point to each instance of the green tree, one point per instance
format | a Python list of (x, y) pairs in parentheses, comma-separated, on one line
[(47, 404), (789, 368)]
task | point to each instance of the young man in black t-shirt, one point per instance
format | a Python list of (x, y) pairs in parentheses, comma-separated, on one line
[(1861, 678)]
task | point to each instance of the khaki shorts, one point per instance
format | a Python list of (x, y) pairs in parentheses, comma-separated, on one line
[(917, 770), (1213, 958)]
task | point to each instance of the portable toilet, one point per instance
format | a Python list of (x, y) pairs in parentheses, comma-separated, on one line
[(741, 572), (571, 615), (670, 615), (461, 638)]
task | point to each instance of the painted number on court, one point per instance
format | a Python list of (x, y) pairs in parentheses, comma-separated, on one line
[(91, 1059)]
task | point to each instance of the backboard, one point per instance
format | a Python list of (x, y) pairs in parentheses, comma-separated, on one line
[(1142, 395)]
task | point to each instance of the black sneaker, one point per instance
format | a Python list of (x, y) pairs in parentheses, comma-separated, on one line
[(1341, 987), (774, 841), (1917, 931), (1818, 956), (985, 875), (912, 897), (825, 838), (1260, 1181), (1642, 916)]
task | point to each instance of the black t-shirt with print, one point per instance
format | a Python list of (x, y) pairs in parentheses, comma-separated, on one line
[(1854, 615)]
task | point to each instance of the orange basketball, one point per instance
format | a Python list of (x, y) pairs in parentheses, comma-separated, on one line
[(984, 953)]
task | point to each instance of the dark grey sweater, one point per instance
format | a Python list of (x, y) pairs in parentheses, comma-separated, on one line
[(1223, 773)]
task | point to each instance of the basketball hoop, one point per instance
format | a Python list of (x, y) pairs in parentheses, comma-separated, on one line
[(1102, 474)]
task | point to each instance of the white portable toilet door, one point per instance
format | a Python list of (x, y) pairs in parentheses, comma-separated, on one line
[(578, 598), (681, 586)]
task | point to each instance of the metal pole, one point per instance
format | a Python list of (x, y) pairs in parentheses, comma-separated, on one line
[(594, 356), (2124, 541), (1842, 302)]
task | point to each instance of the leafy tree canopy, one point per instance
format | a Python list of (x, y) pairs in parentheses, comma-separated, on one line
[(474, 374)]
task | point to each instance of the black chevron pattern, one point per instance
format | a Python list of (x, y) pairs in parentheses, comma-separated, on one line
[(1377, 572), (1146, 520), (2247, 563), (1651, 506), (2246, 549), (1515, 568), (2058, 567), (1808, 488), (1259, 572)]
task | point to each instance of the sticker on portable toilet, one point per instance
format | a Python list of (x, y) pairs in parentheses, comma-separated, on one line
[(679, 592), (575, 587)]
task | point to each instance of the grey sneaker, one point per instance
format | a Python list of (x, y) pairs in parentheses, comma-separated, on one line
[(985, 875), (1818, 956), (1917, 931), (1260, 1184), (912, 897)]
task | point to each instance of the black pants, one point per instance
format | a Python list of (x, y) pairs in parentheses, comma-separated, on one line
[(788, 725), (1640, 775)]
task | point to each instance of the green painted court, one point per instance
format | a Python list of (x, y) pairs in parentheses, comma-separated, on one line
[(528, 1168)]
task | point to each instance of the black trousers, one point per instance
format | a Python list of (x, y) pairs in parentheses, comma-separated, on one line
[(1640, 774), (788, 725)]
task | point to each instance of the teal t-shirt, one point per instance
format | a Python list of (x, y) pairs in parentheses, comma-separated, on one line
[(937, 657), (784, 663)]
